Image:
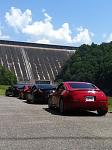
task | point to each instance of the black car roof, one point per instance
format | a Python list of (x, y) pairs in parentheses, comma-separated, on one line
[(18, 85), (45, 86)]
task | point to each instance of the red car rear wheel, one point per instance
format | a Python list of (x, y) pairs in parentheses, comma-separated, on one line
[(101, 112)]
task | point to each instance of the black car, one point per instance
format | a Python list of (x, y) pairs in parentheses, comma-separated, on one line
[(39, 93), (14, 90)]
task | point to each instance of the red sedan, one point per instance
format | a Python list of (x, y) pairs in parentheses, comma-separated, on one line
[(78, 95)]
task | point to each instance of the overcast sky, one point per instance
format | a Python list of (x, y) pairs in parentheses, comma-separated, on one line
[(62, 22)]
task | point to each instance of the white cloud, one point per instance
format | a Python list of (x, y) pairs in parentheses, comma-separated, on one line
[(84, 36), (45, 41), (17, 19), (44, 30), (38, 28), (109, 38), (48, 18)]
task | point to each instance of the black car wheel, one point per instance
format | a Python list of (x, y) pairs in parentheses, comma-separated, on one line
[(50, 103), (28, 98), (6, 93), (20, 96), (101, 112), (61, 107)]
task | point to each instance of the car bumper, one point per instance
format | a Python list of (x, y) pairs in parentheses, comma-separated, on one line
[(88, 105)]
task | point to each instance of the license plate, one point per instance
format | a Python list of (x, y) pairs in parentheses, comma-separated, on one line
[(89, 98)]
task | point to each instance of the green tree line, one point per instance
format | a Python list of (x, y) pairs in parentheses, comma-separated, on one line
[(90, 63), (7, 77)]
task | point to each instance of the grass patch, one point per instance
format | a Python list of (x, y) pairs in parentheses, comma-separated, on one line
[(3, 89), (110, 104)]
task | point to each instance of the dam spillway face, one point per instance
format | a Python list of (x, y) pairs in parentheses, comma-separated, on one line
[(31, 61)]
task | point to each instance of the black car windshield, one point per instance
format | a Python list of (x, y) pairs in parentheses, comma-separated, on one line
[(45, 86), (19, 85), (82, 86)]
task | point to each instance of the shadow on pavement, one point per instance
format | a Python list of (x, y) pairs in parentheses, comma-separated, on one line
[(72, 113), (36, 103)]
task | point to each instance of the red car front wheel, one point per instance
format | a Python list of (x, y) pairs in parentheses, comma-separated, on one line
[(50, 103), (61, 107)]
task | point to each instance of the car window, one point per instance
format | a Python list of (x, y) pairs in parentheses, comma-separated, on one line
[(19, 86), (45, 86), (34, 87), (60, 88), (82, 86)]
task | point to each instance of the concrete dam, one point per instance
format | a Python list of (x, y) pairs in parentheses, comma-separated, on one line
[(31, 61)]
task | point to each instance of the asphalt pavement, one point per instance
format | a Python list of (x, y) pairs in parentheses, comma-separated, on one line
[(34, 127)]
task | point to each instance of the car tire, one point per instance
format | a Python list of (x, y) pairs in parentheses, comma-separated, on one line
[(101, 112), (6, 94), (23, 97), (28, 98), (61, 107), (20, 96), (34, 99), (50, 103)]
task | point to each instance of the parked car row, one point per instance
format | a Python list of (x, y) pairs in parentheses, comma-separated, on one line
[(35, 93), (65, 97), (14, 90)]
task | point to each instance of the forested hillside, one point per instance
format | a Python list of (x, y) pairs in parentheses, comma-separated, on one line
[(92, 64)]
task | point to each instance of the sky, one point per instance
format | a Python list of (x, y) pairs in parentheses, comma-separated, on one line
[(58, 22)]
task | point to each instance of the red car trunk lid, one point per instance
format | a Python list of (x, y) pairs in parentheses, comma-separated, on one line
[(87, 94)]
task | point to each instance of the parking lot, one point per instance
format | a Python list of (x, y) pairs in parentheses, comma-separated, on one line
[(33, 127)]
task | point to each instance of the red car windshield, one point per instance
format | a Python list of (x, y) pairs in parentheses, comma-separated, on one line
[(82, 86)]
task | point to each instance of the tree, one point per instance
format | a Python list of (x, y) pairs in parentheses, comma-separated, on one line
[(7, 77), (91, 64)]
